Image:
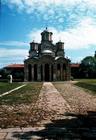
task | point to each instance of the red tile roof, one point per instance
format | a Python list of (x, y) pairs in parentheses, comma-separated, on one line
[(15, 66), (22, 65), (75, 65)]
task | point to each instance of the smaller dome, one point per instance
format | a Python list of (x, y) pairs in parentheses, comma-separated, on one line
[(58, 57)]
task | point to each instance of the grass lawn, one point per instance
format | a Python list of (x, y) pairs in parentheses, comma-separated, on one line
[(17, 108), (88, 84), (24, 95), (4, 87)]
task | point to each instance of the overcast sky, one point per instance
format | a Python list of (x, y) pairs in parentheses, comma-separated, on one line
[(71, 21)]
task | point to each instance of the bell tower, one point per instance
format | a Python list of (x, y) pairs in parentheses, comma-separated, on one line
[(60, 49), (33, 52), (46, 36)]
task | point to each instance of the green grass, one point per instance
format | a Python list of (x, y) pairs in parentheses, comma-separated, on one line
[(93, 81), (25, 95), (17, 108), (88, 84), (4, 87)]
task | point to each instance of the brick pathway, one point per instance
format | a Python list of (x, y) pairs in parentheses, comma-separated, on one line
[(51, 102), (54, 100)]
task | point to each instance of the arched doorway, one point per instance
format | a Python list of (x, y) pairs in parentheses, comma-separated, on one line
[(29, 72), (35, 72), (64, 71), (51, 72), (41, 73), (58, 72), (47, 72)]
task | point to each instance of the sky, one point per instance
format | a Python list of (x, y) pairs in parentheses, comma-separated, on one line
[(71, 21)]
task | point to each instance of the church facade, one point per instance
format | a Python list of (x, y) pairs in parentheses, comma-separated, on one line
[(47, 61)]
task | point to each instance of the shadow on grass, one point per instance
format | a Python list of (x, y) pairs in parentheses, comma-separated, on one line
[(88, 86), (74, 126)]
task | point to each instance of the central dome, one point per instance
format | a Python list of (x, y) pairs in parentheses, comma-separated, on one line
[(47, 51)]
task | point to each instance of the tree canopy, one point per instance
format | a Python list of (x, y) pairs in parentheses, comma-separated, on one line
[(88, 67)]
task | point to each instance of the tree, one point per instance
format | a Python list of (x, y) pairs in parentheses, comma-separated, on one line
[(88, 67), (4, 73)]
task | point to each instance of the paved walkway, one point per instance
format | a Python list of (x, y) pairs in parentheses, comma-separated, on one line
[(51, 102), (52, 122)]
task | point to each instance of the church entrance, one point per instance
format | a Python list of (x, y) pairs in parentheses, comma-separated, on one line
[(47, 72)]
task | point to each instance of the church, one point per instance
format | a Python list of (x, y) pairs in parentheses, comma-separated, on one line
[(46, 61)]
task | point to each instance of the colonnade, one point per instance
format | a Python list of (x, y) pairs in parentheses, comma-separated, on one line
[(46, 72)]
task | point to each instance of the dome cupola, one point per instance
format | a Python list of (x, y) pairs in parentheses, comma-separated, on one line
[(46, 35)]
